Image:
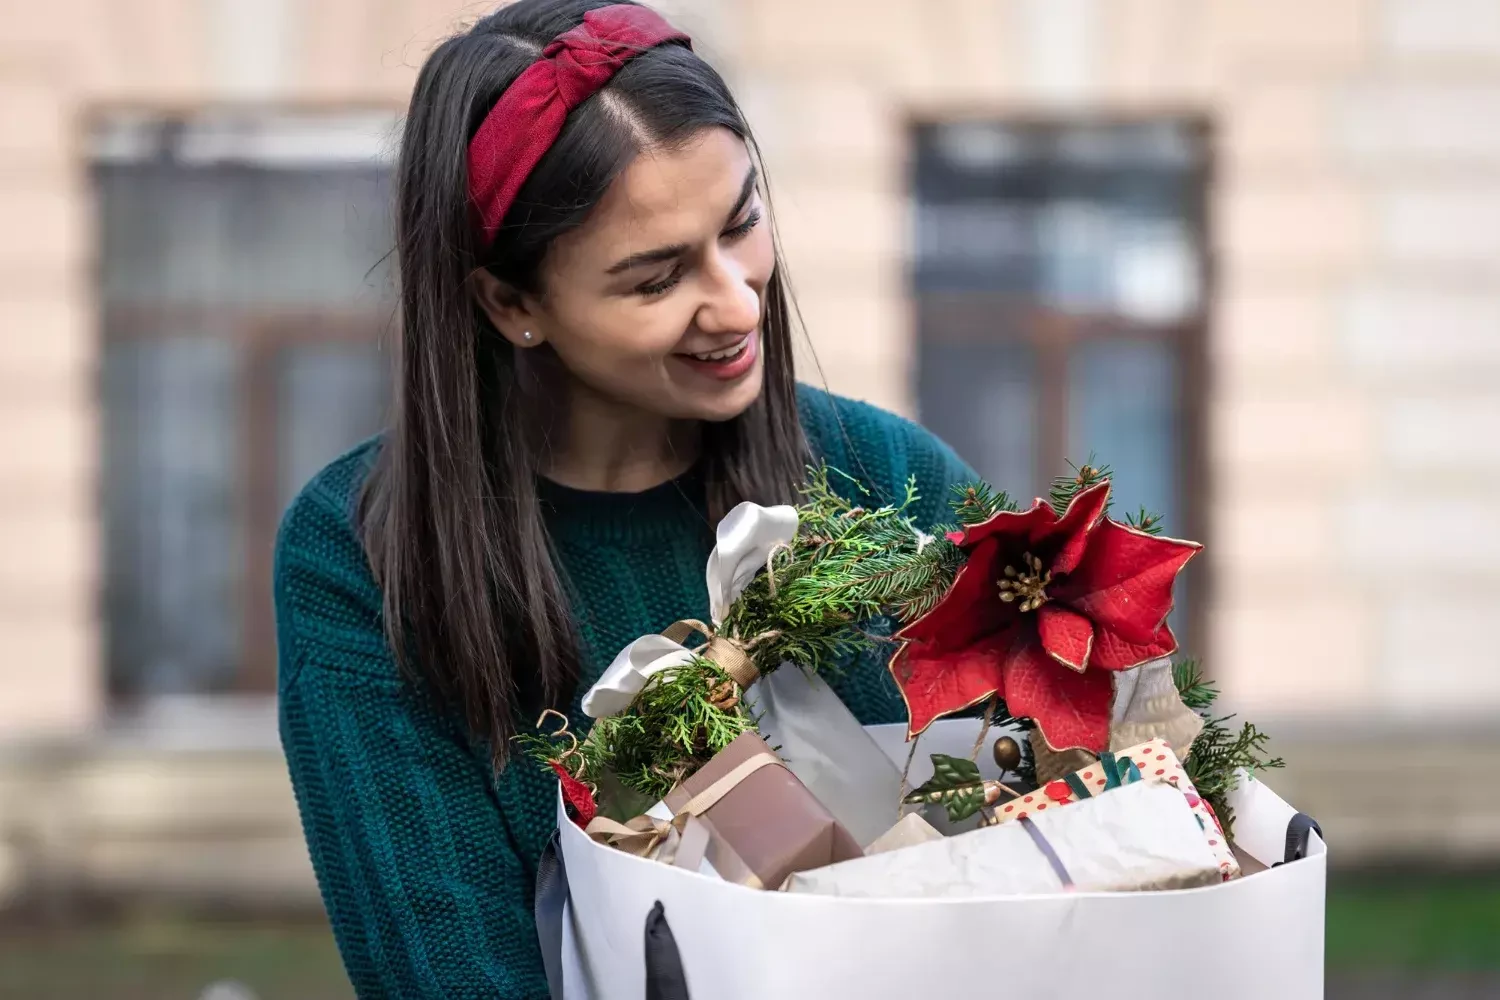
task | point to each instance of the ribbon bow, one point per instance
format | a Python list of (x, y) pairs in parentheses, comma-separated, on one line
[(529, 116), (1117, 772), (745, 543)]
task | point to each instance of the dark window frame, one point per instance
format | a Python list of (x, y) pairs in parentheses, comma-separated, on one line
[(262, 334), (1055, 336)]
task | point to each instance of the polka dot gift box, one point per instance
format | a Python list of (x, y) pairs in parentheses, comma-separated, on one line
[(1149, 761)]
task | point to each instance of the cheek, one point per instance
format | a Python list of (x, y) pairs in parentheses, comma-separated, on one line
[(612, 337)]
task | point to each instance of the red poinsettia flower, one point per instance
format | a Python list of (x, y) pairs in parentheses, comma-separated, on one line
[(1043, 608)]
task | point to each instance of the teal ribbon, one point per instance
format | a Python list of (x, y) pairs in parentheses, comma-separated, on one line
[(1117, 772)]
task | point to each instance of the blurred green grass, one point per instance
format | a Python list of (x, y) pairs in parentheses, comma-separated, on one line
[(1414, 921), (170, 957), (1378, 923)]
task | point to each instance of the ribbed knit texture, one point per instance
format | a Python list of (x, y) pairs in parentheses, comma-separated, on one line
[(424, 858)]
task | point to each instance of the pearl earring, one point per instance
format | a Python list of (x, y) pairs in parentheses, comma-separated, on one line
[(526, 336)]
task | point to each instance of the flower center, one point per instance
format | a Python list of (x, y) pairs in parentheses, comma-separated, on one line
[(1027, 585)]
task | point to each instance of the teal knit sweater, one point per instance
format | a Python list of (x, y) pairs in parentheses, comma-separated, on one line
[(424, 857)]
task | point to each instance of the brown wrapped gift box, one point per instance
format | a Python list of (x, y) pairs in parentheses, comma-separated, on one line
[(769, 825)]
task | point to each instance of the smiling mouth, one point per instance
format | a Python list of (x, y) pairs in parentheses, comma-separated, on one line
[(727, 354)]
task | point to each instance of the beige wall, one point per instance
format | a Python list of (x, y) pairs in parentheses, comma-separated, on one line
[(1357, 226)]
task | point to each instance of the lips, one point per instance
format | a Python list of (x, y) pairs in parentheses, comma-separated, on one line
[(722, 354), (727, 363)]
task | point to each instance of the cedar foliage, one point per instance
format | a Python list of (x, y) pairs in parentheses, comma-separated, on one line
[(1220, 751)]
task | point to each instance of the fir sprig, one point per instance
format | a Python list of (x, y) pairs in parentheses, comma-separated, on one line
[(1219, 752), (1066, 488), (1144, 520), (1196, 691), (849, 563), (975, 503), (675, 726)]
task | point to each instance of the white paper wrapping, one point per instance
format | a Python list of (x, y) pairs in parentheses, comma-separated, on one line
[(909, 831), (799, 714), (1079, 944), (824, 745), (1140, 836)]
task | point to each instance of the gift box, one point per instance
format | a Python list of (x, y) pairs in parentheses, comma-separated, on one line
[(758, 822), (1140, 838), (1149, 761)]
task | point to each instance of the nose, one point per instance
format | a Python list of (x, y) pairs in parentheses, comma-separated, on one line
[(732, 302)]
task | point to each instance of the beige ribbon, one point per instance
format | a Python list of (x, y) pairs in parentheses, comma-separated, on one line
[(668, 841), (731, 654)]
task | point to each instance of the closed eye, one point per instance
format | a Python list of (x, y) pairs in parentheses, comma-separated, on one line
[(651, 289), (743, 229)]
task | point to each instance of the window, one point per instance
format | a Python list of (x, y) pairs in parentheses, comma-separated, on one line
[(1060, 283), (244, 287)]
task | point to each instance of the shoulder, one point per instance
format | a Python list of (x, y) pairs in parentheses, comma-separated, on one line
[(879, 449), (324, 513), (326, 595)]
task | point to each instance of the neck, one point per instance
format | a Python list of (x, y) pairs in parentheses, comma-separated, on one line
[(608, 447)]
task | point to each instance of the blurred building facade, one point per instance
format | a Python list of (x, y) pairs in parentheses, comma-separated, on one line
[(1243, 249)]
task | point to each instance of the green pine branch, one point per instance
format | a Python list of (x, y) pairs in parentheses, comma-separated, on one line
[(1066, 488), (975, 503), (1196, 691), (1219, 752), (675, 726), (850, 563), (1144, 520)]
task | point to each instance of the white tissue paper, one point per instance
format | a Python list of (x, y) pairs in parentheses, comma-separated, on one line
[(1142, 836), (824, 745)]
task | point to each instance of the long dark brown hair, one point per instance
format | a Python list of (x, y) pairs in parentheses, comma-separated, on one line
[(473, 602)]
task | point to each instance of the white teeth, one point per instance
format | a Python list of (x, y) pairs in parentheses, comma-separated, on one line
[(728, 352)]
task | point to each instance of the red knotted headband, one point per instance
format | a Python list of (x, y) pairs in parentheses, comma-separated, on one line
[(525, 122)]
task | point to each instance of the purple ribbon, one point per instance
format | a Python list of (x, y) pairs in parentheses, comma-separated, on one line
[(1040, 840)]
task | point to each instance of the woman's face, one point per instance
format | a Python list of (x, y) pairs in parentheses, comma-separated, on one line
[(656, 301)]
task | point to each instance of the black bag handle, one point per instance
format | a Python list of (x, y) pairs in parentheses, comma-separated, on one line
[(551, 900), (665, 978), (1299, 831)]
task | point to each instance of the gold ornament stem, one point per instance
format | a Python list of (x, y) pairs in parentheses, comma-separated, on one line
[(984, 729), (911, 755)]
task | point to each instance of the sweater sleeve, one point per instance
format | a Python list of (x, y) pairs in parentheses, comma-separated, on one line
[(881, 451), (421, 876)]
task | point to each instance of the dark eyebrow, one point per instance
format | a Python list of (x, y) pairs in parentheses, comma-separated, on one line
[(746, 190), (662, 254), (657, 256)]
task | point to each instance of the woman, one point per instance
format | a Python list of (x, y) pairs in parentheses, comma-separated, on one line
[(595, 365)]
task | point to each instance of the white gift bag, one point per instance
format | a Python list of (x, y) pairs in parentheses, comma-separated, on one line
[(597, 906)]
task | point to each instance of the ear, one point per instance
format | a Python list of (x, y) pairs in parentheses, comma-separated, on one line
[(513, 313)]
